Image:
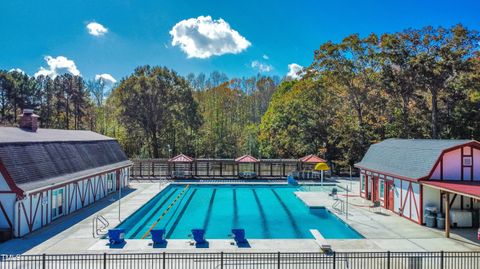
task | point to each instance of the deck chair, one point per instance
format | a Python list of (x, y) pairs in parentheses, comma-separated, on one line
[(334, 193), (376, 205)]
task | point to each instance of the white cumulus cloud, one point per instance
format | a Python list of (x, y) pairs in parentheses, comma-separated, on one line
[(57, 66), (295, 71), (265, 56), (203, 37), (262, 67), (107, 79), (96, 29)]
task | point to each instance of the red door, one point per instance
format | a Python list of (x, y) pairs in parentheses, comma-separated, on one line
[(391, 196), (374, 189)]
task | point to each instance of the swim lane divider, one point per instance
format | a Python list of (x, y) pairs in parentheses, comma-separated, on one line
[(166, 211)]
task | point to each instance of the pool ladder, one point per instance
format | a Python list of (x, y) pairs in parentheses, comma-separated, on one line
[(100, 225), (339, 205)]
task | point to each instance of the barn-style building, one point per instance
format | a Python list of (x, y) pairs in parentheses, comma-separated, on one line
[(408, 176), (46, 173)]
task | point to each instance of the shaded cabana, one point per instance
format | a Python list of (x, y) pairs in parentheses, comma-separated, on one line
[(308, 162), (247, 166), (307, 167), (181, 166)]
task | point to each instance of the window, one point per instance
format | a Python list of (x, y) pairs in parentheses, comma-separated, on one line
[(110, 185), (362, 181), (467, 161), (57, 203), (381, 188)]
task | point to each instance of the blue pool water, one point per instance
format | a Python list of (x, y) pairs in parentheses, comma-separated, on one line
[(264, 211)]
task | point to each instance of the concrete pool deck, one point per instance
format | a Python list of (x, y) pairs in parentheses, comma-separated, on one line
[(382, 231)]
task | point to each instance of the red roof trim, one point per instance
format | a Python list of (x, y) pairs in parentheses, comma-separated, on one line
[(181, 158), (312, 159), (246, 159), (469, 188), (473, 144), (9, 180)]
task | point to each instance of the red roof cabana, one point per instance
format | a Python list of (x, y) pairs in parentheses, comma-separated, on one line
[(246, 159), (181, 158), (466, 188), (313, 159)]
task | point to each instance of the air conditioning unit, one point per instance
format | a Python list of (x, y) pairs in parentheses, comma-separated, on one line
[(461, 218)]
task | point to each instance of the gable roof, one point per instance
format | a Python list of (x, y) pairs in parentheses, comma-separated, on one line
[(34, 160), (246, 159), (312, 159), (181, 158), (408, 158)]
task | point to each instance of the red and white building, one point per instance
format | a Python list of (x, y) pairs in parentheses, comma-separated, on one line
[(409, 175), (46, 174)]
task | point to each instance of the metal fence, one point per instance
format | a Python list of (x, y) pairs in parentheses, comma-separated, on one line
[(200, 260)]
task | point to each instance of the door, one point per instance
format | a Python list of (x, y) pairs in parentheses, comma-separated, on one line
[(370, 188), (391, 196), (375, 189), (57, 203)]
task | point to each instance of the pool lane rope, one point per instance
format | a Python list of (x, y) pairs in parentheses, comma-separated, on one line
[(166, 211)]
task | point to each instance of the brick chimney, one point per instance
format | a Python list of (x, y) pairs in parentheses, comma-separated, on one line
[(29, 120)]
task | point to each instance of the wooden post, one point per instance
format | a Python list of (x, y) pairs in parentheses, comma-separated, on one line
[(447, 215)]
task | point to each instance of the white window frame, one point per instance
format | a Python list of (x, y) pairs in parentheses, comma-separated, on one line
[(55, 203), (362, 182), (381, 186), (110, 183), (467, 161)]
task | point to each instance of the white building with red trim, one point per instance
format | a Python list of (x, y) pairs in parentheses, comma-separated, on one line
[(409, 175), (46, 174)]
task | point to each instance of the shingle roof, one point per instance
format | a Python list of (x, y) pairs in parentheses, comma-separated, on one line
[(409, 158), (181, 158), (312, 159), (246, 159), (34, 160), (17, 135)]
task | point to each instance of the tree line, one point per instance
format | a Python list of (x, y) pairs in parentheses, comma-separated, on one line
[(417, 83)]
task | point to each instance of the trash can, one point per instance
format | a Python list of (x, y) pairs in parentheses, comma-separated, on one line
[(440, 221), (430, 221)]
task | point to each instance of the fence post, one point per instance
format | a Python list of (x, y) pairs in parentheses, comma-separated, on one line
[(334, 260), (388, 259), (221, 260), (163, 260), (441, 259), (104, 260), (278, 260), (44, 262)]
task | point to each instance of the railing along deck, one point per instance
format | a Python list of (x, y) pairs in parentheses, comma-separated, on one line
[(277, 260)]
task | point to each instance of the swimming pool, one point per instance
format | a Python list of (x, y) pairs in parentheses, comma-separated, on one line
[(264, 211)]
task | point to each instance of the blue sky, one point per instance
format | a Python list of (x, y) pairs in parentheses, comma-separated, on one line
[(267, 35)]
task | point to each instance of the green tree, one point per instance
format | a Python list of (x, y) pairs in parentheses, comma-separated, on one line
[(160, 104)]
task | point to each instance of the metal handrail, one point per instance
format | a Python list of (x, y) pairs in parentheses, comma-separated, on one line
[(341, 203), (99, 230)]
